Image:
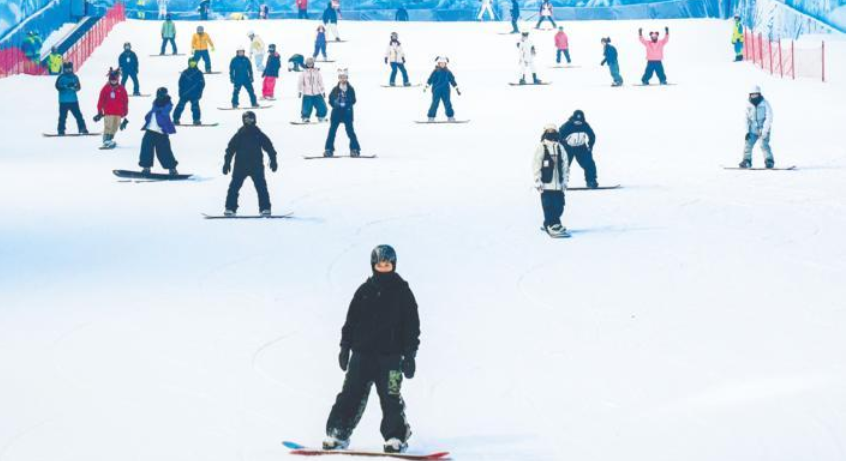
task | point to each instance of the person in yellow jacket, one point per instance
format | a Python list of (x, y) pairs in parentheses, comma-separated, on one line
[(201, 43), (54, 62), (737, 38)]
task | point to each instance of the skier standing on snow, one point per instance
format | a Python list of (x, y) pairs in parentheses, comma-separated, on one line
[(441, 80), (112, 106), (191, 86), (320, 43), (246, 147), (515, 16), (382, 331), (168, 34), (562, 46), (609, 56), (68, 86), (526, 53), (486, 7), (201, 43), (737, 38), (311, 90), (271, 72), (578, 139), (759, 124), (257, 47), (545, 13), (342, 99), (241, 76), (330, 21), (395, 56), (551, 173), (128, 63), (157, 130), (654, 55)]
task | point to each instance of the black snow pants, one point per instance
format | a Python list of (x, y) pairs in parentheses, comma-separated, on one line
[(73, 108), (157, 144), (584, 157), (239, 175), (364, 370)]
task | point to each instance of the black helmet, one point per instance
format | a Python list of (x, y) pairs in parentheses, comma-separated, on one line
[(161, 93), (578, 115), (249, 118), (67, 66), (383, 253)]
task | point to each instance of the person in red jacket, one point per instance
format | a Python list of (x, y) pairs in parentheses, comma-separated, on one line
[(302, 9), (113, 105)]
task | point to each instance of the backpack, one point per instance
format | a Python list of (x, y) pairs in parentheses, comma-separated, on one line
[(548, 168)]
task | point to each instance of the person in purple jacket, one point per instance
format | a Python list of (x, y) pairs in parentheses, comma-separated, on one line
[(157, 130)]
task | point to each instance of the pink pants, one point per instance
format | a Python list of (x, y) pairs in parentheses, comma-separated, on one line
[(268, 87)]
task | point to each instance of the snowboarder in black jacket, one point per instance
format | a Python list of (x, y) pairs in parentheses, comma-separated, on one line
[(241, 76), (342, 99), (383, 332), (247, 146), (128, 63), (578, 140), (191, 86)]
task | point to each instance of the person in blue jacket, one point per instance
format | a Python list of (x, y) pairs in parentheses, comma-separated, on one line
[(342, 99), (330, 20), (68, 86), (441, 80), (128, 63), (191, 86), (157, 130), (320, 43), (241, 76), (609, 54)]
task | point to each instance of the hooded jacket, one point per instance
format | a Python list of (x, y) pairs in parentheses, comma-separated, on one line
[(550, 154), (576, 133), (441, 79), (759, 118), (113, 101), (247, 146), (161, 110)]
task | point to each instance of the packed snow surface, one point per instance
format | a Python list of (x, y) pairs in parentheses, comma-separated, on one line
[(696, 314)]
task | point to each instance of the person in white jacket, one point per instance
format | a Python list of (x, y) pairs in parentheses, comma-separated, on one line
[(312, 91), (551, 173), (257, 48), (395, 56), (759, 123), (526, 54), (486, 7)]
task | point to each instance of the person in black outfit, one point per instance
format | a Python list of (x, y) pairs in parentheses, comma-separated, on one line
[(578, 140), (383, 332), (191, 86), (342, 100), (247, 146), (128, 64), (401, 15)]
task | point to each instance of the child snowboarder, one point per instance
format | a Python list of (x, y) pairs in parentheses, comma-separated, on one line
[(201, 43), (68, 86), (654, 55), (320, 43), (441, 80), (168, 34), (486, 7), (737, 38), (54, 61), (113, 105), (382, 331), (256, 50), (270, 73), (128, 64), (330, 21), (311, 90), (342, 99), (545, 13), (562, 46), (241, 76), (246, 147), (578, 139), (526, 53), (759, 124), (609, 56), (551, 173), (191, 86), (395, 56), (157, 130)]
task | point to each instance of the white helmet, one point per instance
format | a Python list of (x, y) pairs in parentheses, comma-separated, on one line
[(550, 127), (442, 59), (343, 73), (755, 89), (251, 34)]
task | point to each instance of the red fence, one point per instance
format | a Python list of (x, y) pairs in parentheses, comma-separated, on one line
[(785, 59), (13, 60)]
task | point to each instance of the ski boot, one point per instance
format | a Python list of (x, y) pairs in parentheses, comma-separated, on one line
[(306, 120), (395, 445), (229, 213), (332, 443), (83, 131), (392, 84), (431, 119), (265, 213), (536, 80), (196, 123), (451, 119), (557, 231), (62, 133), (172, 172), (592, 184), (254, 106), (145, 171), (321, 119), (523, 81), (770, 164), (329, 153), (745, 164), (406, 84), (234, 106), (177, 122), (355, 153)]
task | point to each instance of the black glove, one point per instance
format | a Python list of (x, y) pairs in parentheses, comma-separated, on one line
[(747, 136), (403, 60), (409, 366), (640, 31), (344, 357), (124, 123), (386, 59), (226, 168), (458, 91), (98, 117), (274, 166), (666, 30)]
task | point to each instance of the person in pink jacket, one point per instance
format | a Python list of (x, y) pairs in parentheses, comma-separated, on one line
[(312, 92), (654, 55), (562, 46)]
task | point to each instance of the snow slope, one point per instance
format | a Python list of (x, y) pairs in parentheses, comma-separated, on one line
[(696, 314)]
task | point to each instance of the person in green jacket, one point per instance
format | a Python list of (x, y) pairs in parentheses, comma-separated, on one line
[(54, 61), (737, 38), (168, 34)]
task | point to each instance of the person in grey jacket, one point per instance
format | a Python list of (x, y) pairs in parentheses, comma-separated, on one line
[(551, 172), (68, 86), (759, 123)]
